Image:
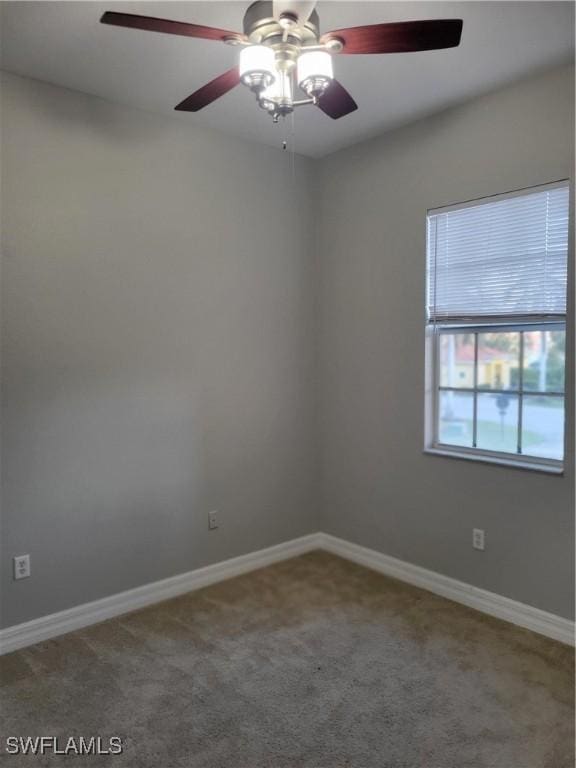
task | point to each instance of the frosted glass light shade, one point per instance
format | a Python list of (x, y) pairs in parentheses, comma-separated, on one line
[(257, 69), (315, 72)]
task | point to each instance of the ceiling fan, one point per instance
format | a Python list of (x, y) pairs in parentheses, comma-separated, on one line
[(282, 49)]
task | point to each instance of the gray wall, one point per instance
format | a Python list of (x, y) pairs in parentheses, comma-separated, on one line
[(174, 324), (158, 347), (379, 489)]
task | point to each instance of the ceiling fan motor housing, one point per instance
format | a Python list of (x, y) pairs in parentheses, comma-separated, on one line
[(285, 36)]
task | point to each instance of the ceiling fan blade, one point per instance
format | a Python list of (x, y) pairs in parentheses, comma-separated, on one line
[(336, 101), (210, 92), (168, 27), (299, 8), (399, 36)]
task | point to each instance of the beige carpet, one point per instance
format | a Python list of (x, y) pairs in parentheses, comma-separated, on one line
[(311, 663)]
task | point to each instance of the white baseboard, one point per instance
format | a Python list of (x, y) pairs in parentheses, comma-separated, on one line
[(46, 627), (501, 607), (60, 623)]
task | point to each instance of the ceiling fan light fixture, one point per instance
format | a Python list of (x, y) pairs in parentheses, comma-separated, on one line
[(315, 72), (277, 98), (257, 67)]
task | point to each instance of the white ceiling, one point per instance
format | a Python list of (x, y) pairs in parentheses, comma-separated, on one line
[(63, 43)]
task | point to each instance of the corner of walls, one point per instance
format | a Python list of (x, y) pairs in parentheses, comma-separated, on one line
[(279, 384)]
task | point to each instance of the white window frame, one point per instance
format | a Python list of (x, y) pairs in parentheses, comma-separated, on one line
[(476, 325)]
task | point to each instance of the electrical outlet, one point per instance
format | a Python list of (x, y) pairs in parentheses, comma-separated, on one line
[(212, 520), (478, 538), (22, 566)]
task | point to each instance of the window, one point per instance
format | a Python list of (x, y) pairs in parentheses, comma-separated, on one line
[(496, 327)]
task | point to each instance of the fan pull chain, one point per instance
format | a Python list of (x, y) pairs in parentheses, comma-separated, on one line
[(284, 140), (293, 147), (289, 140)]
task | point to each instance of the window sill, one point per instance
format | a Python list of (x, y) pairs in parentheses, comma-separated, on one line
[(549, 469)]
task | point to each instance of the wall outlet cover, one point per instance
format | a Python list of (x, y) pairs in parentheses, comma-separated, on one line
[(22, 566), (478, 538)]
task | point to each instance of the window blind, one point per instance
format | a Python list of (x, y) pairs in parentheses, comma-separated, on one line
[(499, 258)]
